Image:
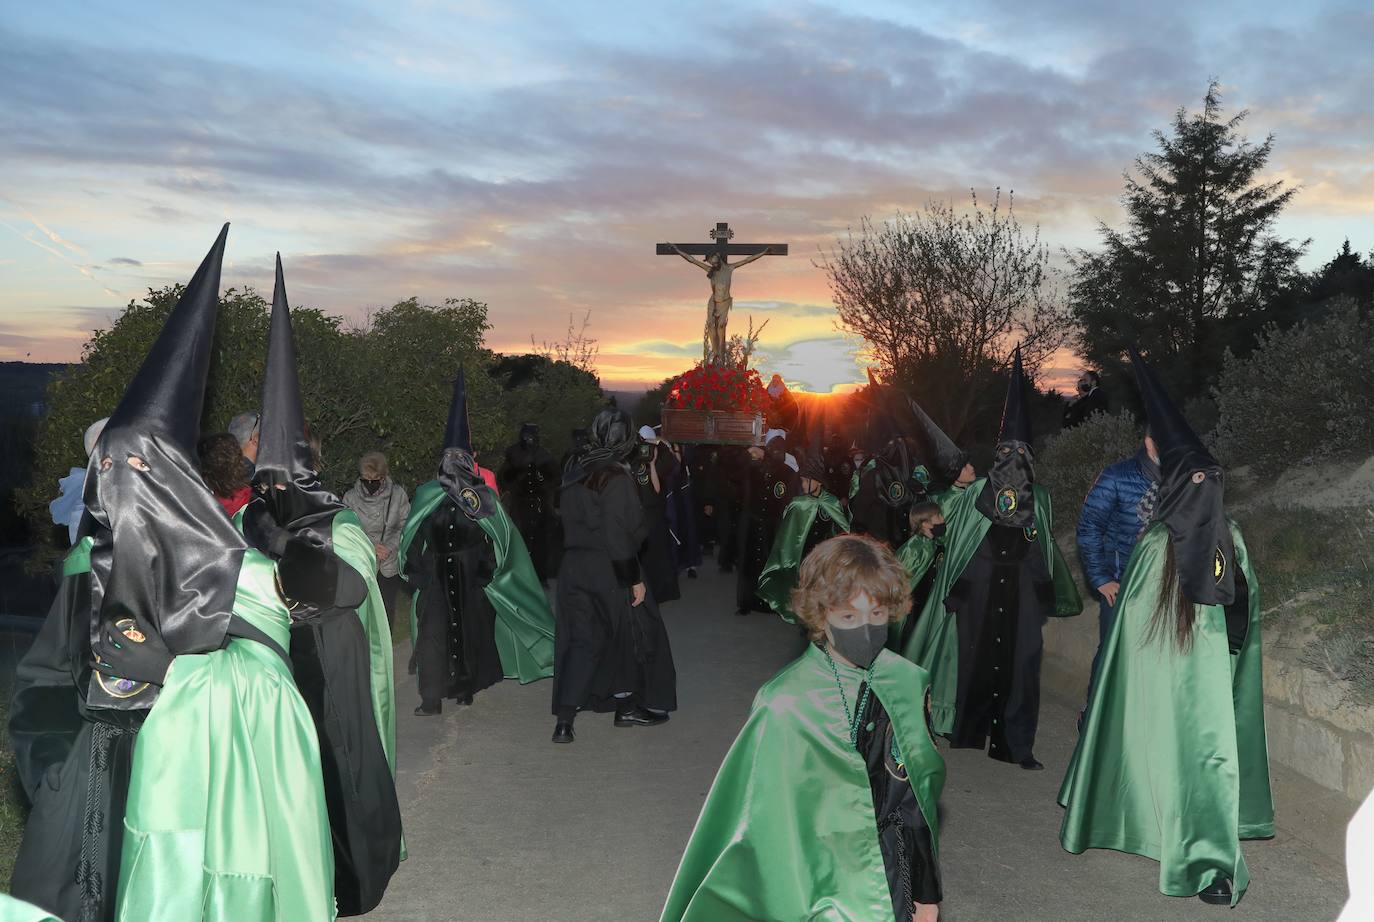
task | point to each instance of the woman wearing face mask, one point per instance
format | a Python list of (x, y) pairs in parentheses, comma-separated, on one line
[(1172, 761), (826, 804), (611, 647), (382, 507)]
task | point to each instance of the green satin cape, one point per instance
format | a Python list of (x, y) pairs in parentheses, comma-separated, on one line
[(524, 622), (353, 545), (226, 817), (1172, 762), (934, 642), (779, 576), (788, 829), (12, 910)]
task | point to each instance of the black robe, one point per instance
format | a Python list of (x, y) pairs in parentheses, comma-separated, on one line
[(731, 468), (528, 480), (456, 648), (656, 553), (1000, 603), (73, 765), (913, 872), (770, 485), (603, 646), (873, 515)]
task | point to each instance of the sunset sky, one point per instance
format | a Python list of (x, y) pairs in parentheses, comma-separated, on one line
[(531, 154)]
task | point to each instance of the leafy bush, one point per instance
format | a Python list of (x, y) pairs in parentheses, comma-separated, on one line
[(1068, 463), (1303, 394)]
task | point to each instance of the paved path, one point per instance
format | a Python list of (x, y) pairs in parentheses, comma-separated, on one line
[(503, 825)]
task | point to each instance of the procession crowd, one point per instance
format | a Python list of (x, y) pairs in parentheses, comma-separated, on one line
[(206, 723)]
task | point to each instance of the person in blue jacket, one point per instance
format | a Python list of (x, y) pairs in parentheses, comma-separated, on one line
[(1118, 508)]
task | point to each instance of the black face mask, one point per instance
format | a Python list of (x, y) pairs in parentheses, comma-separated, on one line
[(1008, 498), (860, 645), (373, 487), (938, 530)]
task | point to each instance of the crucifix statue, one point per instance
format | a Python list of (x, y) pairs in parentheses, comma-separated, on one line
[(719, 270)]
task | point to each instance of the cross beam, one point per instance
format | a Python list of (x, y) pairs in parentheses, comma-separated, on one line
[(721, 244)]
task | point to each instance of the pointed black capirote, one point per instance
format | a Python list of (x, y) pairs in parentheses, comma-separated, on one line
[(458, 432), (1191, 500), (1178, 445), (165, 558), (937, 451), (284, 459), (1016, 424), (167, 394), (283, 449)]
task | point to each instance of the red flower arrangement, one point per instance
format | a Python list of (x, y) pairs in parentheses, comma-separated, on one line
[(713, 387)]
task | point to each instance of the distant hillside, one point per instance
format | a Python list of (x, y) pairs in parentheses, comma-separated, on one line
[(22, 386), (626, 400)]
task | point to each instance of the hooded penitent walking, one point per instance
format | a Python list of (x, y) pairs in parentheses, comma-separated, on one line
[(480, 613), (1002, 576), (341, 653), (813, 516), (529, 479), (180, 767), (1172, 762), (769, 486), (612, 647)]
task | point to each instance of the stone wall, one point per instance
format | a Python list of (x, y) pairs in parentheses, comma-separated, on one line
[(1312, 727)]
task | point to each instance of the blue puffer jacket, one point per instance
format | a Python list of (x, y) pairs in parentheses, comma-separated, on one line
[(1111, 521)]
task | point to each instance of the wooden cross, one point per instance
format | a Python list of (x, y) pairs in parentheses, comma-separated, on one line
[(721, 244)]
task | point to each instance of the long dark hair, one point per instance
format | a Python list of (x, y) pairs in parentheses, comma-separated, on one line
[(1174, 612)]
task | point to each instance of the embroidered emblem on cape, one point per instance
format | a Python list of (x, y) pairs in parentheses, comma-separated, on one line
[(1219, 566), (642, 475), (825, 516), (114, 686), (896, 491), (922, 476), (930, 724), (1006, 501), (779, 489), (1031, 532), (471, 501)]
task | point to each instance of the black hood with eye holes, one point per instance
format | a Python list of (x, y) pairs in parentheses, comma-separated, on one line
[(1193, 511), (287, 487), (165, 560), (1009, 498)]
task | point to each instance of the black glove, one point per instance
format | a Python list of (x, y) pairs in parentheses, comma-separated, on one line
[(311, 574), (316, 576), (123, 649), (262, 531)]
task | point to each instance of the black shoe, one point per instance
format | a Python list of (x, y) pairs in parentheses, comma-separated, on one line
[(639, 717), (463, 700), (741, 611), (691, 572), (562, 732), (1031, 764), (1219, 894), (427, 709)]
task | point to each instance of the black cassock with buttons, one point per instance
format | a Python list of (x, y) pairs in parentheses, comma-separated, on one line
[(1000, 603), (456, 648)]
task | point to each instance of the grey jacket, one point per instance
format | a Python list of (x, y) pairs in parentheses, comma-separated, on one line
[(383, 515)]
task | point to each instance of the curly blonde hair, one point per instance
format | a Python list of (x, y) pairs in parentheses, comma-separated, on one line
[(839, 569)]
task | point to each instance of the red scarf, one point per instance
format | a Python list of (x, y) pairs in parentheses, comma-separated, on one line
[(236, 500)]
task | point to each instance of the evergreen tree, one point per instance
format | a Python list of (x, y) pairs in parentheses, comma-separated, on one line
[(1198, 264)]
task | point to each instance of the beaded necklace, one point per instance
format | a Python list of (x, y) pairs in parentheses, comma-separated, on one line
[(853, 720)]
